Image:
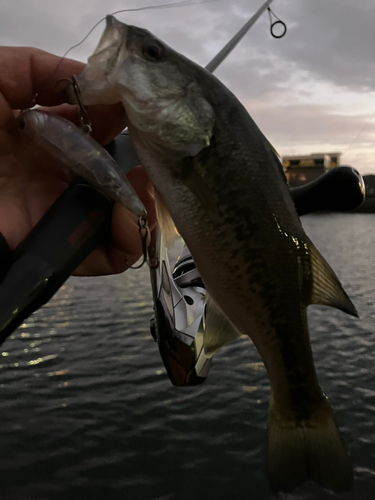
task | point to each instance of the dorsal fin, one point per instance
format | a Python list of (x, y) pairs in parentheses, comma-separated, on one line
[(326, 287), (278, 161)]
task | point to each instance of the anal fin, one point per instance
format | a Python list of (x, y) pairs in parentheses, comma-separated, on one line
[(326, 287)]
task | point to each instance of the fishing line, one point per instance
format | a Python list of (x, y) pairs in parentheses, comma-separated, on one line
[(360, 132), (275, 23), (181, 3)]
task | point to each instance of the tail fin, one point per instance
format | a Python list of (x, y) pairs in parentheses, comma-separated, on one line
[(298, 451)]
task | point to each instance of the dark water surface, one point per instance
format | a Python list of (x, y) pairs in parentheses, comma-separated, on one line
[(87, 411)]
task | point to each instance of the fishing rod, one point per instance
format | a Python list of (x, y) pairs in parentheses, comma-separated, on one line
[(225, 51), (75, 224)]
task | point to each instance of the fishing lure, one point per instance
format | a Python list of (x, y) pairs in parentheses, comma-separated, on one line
[(81, 154)]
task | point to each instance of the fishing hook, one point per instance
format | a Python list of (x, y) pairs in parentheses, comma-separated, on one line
[(84, 115), (275, 23), (143, 232), (33, 100), (20, 119), (85, 120)]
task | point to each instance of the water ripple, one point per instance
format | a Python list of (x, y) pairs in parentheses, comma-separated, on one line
[(88, 411)]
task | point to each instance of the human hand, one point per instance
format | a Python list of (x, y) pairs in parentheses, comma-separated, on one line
[(31, 180)]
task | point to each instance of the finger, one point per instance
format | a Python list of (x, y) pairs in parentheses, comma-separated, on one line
[(145, 190), (125, 247), (7, 126), (107, 120), (27, 71), (110, 259)]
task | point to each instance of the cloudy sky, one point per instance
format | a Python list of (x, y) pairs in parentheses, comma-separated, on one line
[(311, 91)]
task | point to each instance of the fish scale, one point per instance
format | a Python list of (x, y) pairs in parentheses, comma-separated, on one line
[(225, 191)]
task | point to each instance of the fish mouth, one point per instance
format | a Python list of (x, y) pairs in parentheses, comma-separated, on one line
[(94, 82), (114, 35)]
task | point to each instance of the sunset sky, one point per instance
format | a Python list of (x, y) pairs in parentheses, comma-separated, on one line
[(311, 91)]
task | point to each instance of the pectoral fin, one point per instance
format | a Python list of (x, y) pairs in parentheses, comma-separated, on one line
[(219, 329), (326, 287), (166, 224)]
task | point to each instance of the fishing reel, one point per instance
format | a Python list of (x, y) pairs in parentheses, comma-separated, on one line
[(178, 325)]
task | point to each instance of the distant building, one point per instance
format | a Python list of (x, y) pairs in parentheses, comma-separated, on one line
[(302, 169)]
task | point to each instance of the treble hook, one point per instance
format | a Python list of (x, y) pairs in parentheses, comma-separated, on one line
[(85, 117), (143, 231), (275, 23), (20, 120)]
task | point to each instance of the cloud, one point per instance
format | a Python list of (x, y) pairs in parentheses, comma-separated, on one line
[(312, 89), (303, 129), (310, 125), (332, 40)]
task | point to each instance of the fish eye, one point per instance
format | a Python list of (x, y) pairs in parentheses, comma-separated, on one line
[(153, 50)]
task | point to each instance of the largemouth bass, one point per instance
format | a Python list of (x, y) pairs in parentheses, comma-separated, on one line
[(224, 188)]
